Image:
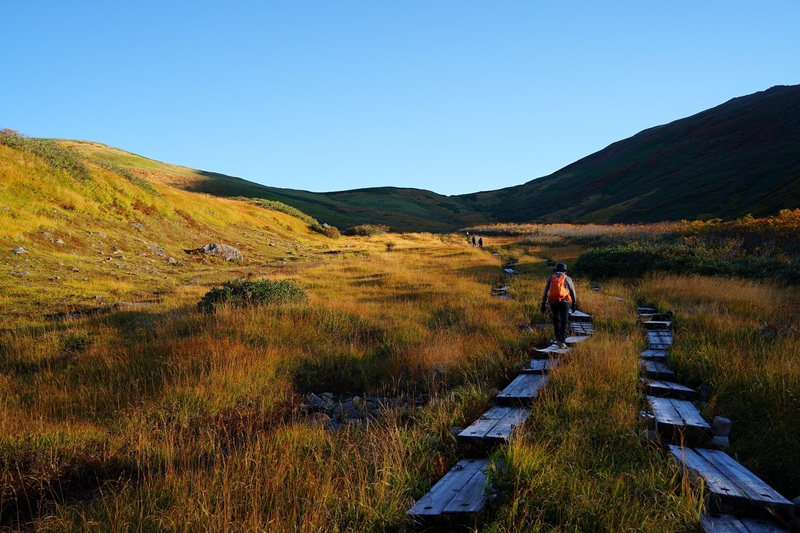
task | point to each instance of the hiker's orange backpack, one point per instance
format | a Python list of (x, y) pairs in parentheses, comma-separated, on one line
[(559, 291)]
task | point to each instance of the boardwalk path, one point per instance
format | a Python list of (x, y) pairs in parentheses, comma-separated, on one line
[(462, 492), (736, 499)]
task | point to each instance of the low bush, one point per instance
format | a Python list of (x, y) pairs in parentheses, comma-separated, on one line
[(243, 293), (632, 260), (368, 230), (332, 232)]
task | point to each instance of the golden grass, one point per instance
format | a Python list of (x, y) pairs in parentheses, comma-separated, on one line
[(164, 418)]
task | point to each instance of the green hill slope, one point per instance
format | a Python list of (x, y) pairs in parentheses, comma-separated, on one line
[(737, 158), (82, 232)]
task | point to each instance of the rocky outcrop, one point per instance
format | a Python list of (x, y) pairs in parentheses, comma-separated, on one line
[(222, 251)]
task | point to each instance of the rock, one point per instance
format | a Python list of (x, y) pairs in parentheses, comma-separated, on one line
[(5, 208), (20, 250), (223, 251), (158, 251), (138, 226), (59, 241), (796, 503), (319, 420)]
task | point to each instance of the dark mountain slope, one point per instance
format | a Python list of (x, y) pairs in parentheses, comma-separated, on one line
[(740, 157)]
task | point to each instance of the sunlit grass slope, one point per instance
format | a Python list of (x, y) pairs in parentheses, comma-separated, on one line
[(401, 209), (98, 235)]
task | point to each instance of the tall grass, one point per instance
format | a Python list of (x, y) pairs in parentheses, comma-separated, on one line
[(740, 338)]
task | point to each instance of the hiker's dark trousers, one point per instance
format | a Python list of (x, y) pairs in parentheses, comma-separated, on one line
[(560, 313)]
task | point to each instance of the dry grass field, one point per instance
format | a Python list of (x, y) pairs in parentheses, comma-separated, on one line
[(153, 415)]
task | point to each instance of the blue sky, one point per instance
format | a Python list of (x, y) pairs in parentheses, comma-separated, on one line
[(450, 96)]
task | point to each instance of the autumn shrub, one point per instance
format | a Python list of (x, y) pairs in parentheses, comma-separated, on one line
[(245, 293), (367, 230)]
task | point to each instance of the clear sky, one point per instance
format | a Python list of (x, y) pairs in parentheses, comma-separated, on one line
[(454, 96)]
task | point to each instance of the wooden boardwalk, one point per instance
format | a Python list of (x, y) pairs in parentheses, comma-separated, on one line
[(496, 425), (673, 416), (668, 389), (657, 370), (655, 353), (727, 523), (540, 366), (730, 487), (523, 390), (461, 491)]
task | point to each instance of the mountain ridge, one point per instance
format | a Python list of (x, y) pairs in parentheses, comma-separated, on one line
[(737, 158)]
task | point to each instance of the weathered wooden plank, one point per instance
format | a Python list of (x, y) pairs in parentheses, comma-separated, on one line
[(579, 316), (722, 496), (651, 353), (731, 487), (504, 288), (761, 496), (726, 523), (550, 351), (657, 325), (657, 370), (497, 424), (582, 328), (465, 483), (672, 414), (659, 340), (646, 310), (523, 389), (576, 339), (670, 389), (540, 366)]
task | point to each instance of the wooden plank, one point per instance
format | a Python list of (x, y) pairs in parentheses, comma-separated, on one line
[(726, 523), (722, 496), (761, 496), (646, 310), (582, 328), (669, 389), (523, 389), (657, 370), (468, 476), (497, 424), (657, 325), (540, 366), (576, 339), (732, 488), (651, 353), (550, 351), (680, 413), (579, 316)]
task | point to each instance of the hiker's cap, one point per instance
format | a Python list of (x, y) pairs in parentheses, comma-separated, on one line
[(561, 267)]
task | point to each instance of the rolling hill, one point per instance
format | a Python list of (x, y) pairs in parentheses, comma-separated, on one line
[(737, 158)]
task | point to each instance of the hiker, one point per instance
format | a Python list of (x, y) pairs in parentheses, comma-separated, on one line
[(480, 242), (560, 294), (474, 241)]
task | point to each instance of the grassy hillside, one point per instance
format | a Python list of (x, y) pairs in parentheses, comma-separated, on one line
[(164, 416), (737, 158), (89, 234), (400, 209)]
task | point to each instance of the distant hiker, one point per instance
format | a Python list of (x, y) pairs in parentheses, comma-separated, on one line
[(480, 242), (474, 241), (560, 294)]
